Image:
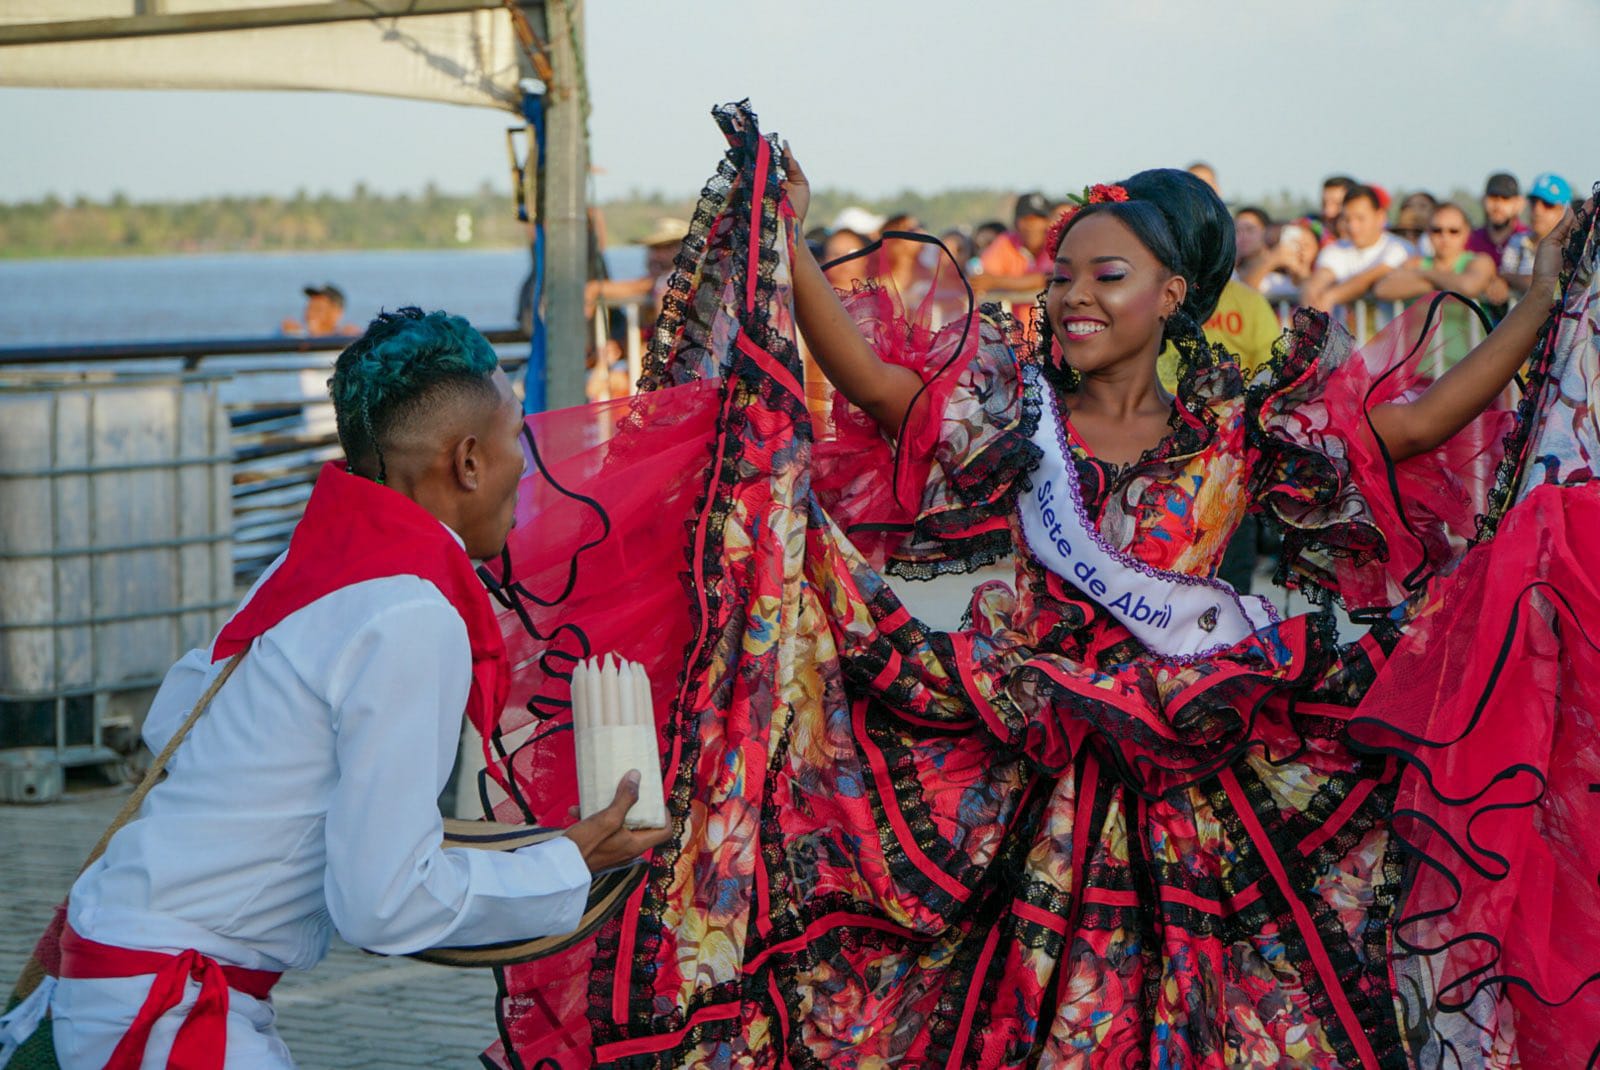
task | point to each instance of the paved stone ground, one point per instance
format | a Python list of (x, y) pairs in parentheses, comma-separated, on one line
[(354, 1010)]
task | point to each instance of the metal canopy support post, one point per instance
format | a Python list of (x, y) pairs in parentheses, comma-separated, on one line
[(529, 197), (566, 227)]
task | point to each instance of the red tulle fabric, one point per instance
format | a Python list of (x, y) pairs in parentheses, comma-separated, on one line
[(871, 484), (1493, 698), (1427, 507), (595, 559)]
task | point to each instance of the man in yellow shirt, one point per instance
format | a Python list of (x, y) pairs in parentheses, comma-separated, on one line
[(1244, 324)]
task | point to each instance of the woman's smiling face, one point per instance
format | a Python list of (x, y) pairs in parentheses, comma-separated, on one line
[(1108, 295)]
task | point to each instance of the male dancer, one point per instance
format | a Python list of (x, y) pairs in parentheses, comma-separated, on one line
[(303, 802)]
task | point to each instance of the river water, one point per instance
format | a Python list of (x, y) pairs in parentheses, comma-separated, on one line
[(246, 295)]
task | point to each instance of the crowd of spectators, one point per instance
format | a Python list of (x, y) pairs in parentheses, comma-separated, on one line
[(1360, 250), (1360, 247)]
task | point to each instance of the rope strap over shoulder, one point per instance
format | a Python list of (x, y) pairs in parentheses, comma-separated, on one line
[(33, 972)]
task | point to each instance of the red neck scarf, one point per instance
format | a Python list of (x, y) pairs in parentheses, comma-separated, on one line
[(356, 530)]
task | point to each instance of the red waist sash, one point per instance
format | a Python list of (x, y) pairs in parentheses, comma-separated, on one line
[(202, 1040)]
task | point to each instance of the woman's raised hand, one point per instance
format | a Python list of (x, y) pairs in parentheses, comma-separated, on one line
[(796, 185), (1547, 259)]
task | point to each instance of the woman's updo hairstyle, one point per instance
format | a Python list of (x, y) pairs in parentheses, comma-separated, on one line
[(1186, 226)]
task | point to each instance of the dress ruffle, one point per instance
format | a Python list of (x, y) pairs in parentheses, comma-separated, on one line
[(1357, 526), (933, 500), (1490, 702)]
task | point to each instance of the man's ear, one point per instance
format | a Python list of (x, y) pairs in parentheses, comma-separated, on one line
[(467, 462)]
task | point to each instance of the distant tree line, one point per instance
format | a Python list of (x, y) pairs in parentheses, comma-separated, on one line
[(360, 220), (430, 220)]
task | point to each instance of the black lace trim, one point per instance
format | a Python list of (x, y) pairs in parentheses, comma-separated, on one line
[(1517, 442), (1006, 464), (1216, 727), (967, 555), (1363, 978), (1296, 355), (663, 365), (681, 351), (945, 1022)]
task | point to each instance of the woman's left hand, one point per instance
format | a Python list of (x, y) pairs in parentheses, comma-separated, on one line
[(796, 186), (1547, 259)]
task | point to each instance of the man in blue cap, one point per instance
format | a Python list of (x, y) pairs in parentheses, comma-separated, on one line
[(1548, 198)]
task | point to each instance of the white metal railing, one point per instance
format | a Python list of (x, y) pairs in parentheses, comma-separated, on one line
[(281, 420), (1363, 318)]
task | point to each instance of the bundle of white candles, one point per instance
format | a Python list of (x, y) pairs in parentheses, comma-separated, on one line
[(614, 729)]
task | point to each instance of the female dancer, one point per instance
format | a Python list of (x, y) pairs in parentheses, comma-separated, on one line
[(1126, 817)]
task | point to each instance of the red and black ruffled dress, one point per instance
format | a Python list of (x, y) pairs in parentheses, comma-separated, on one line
[(1032, 841)]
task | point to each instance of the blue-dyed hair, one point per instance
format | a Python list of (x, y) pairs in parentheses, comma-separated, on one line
[(407, 359)]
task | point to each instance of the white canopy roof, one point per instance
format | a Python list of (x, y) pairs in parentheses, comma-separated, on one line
[(457, 51)]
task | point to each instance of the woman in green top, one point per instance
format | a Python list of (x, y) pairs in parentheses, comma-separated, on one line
[(1451, 267)]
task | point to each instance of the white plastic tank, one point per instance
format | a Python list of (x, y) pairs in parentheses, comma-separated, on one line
[(115, 521)]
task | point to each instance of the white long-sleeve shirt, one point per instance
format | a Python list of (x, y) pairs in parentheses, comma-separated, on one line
[(303, 801)]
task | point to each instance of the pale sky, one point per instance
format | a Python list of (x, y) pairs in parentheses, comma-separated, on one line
[(884, 95)]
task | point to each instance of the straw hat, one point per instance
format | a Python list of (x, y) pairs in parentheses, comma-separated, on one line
[(667, 231), (607, 892)]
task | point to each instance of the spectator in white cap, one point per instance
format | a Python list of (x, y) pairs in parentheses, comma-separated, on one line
[(845, 275), (860, 221), (853, 229)]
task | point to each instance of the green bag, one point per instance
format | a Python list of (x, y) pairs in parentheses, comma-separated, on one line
[(38, 1052)]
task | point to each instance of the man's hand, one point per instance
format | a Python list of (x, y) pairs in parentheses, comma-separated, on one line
[(603, 839), (798, 188)]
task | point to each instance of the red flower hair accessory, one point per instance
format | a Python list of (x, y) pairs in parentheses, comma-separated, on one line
[(1099, 193)]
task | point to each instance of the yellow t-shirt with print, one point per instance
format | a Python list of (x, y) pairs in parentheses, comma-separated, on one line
[(1244, 324)]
